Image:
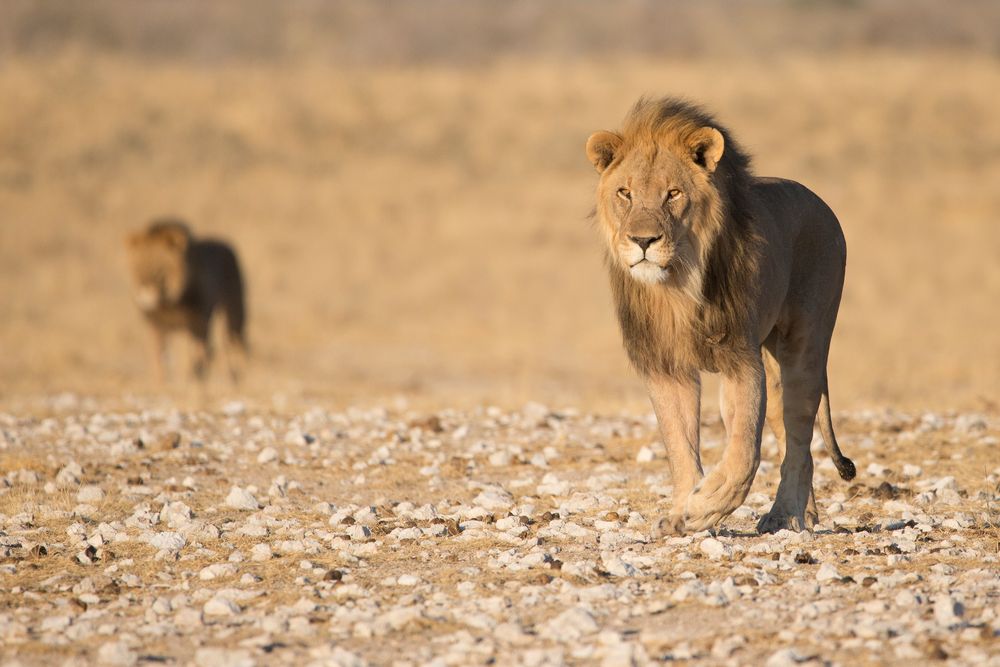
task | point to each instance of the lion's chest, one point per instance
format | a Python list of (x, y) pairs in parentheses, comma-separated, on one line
[(670, 336)]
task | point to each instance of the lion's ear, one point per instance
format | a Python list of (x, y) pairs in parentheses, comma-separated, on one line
[(602, 148), (177, 238), (706, 145)]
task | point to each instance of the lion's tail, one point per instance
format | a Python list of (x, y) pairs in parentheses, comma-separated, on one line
[(845, 466)]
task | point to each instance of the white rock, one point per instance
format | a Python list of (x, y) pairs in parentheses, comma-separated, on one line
[(365, 516), (267, 455), (571, 625), (89, 494), (785, 657), (910, 470), (876, 470), (162, 606), (217, 571), (234, 408), (188, 618), (55, 623), (338, 657), (168, 541), (494, 498), (945, 484), (408, 580), (552, 486), (645, 455), (398, 619), (501, 458), (359, 533), (402, 534), (715, 549), (970, 423), (220, 606), (616, 566), (176, 514), (948, 611), (726, 646), (261, 552), (827, 572), (241, 499), (220, 657), (116, 653)]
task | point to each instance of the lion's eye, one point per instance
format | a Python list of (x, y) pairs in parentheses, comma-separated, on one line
[(674, 194), (625, 194)]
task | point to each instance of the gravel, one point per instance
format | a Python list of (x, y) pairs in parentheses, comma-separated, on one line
[(523, 537)]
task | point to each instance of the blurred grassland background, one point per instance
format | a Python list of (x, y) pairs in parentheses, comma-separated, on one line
[(407, 187)]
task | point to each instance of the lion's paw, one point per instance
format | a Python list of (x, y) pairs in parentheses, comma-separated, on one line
[(776, 520), (669, 526), (712, 500)]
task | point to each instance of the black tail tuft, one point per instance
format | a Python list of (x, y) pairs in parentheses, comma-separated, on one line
[(845, 467)]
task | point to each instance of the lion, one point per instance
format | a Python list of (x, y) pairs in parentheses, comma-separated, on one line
[(713, 269), (180, 282)]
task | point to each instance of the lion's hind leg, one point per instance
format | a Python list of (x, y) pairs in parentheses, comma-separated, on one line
[(801, 385), (776, 418)]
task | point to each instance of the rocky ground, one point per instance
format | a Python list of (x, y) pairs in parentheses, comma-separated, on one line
[(250, 535)]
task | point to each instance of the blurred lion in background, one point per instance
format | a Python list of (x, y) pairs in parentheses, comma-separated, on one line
[(714, 269), (179, 283)]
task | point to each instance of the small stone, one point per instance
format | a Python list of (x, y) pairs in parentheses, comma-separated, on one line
[(267, 455), (70, 473), (571, 625), (616, 567), (55, 623), (188, 618), (167, 541), (714, 549), (876, 470), (116, 653), (947, 611), (645, 455), (494, 498), (408, 580), (89, 494), (217, 571), (359, 533), (241, 499), (786, 657), (261, 552), (220, 606), (220, 657), (827, 572), (176, 514)]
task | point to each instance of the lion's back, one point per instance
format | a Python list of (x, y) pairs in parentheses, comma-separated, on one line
[(802, 216), (216, 276)]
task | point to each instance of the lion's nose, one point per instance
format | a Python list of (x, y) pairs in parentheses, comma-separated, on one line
[(645, 241)]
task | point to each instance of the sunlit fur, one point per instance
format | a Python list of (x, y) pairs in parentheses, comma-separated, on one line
[(685, 317), (738, 274)]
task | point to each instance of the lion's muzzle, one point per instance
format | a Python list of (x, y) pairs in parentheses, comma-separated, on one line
[(646, 257)]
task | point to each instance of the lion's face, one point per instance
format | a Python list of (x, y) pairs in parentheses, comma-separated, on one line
[(159, 268), (652, 198)]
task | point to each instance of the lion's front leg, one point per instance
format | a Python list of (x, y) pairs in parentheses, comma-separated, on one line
[(677, 403), (727, 485)]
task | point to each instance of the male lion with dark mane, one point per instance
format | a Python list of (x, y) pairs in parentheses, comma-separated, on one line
[(181, 283), (714, 269)]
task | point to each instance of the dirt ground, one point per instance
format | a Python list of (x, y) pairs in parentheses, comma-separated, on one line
[(407, 189)]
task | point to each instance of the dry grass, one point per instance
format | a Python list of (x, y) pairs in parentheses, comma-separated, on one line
[(420, 229)]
